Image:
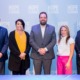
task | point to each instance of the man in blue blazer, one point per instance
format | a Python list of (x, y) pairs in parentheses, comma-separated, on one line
[(3, 48), (42, 40), (77, 48)]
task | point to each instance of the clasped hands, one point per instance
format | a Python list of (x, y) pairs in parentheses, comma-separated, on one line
[(42, 51), (22, 56), (1, 55)]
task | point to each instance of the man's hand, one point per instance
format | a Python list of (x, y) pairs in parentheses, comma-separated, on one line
[(42, 51), (1, 55)]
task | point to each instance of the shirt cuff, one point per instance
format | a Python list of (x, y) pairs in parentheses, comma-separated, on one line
[(46, 49)]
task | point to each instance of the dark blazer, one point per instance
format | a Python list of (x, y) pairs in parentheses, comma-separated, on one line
[(3, 43), (37, 41), (14, 60), (77, 43)]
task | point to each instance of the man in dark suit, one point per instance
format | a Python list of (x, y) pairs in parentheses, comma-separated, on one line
[(77, 48), (42, 40), (3, 48)]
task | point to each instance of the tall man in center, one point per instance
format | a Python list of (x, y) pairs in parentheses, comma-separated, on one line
[(42, 40)]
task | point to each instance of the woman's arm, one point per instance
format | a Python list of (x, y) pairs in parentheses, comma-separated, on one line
[(71, 51), (71, 55)]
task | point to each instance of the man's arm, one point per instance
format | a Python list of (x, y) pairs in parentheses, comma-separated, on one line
[(32, 41), (77, 46), (6, 42), (53, 41)]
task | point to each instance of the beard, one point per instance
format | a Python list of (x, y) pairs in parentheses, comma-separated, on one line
[(43, 23)]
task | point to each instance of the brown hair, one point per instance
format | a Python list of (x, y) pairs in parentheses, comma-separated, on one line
[(68, 33)]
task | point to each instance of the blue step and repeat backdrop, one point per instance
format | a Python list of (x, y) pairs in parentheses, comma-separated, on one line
[(59, 12)]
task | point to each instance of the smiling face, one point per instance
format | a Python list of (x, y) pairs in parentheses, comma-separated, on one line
[(64, 32), (43, 19), (19, 26)]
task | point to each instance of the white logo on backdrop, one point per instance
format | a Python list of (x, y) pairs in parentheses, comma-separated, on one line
[(53, 9), (33, 9), (72, 9), (14, 9)]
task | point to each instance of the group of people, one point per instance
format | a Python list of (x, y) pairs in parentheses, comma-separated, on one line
[(40, 42)]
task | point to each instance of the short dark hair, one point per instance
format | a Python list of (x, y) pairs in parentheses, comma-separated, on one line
[(22, 22), (42, 13)]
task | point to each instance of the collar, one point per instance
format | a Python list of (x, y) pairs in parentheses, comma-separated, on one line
[(43, 26)]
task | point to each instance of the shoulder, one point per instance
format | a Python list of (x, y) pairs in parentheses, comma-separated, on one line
[(51, 27), (2, 28), (35, 26), (71, 40), (78, 32), (12, 33), (26, 33)]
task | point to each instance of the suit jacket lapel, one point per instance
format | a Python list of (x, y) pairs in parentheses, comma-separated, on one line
[(46, 31), (40, 33)]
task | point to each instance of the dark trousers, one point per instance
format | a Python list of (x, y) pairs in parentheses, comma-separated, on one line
[(78, 64), (2, 68), (38, 63), (21, 71)]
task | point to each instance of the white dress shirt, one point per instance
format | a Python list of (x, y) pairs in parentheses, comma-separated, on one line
[(43, 33), (43, 30)]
